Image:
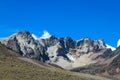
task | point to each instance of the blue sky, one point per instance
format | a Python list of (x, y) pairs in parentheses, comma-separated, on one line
[(97, 19)]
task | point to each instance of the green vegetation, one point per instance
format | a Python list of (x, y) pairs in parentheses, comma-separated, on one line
[(14, 69)]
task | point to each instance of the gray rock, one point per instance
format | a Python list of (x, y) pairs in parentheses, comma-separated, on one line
[(26, 45), (53, 49), (87, 45)]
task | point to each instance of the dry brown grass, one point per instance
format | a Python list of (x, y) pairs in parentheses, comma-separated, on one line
[(12, 68)]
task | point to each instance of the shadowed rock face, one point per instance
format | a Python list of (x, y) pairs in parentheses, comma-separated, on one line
[(109, 66), (56, 50), (87, 45), (26, 45), (114, 66)]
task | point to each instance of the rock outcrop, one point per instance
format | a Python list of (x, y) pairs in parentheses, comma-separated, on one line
[(57, 50), (26, 45)]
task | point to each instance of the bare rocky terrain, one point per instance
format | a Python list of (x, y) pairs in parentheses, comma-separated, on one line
[(82, 56)]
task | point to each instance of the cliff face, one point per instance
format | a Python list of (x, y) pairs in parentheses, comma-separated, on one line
[(64, 52)]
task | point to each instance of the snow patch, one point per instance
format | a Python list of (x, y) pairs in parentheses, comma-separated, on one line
[(45, 35), (118, 43), (34, 36), (71, 57), (112, 48)]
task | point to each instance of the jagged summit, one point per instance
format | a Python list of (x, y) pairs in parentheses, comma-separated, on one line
[(23, 32), (54, 50)]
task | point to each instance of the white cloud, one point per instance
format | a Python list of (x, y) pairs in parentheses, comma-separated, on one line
[(112, 48), (118, 43), (45, 35)]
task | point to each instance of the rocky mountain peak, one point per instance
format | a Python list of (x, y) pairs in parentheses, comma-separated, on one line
[(23, 33), (87, 45), (55, 50), (53, 37)]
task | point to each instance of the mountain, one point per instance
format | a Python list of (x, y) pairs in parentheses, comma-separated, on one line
[(25, 45), (16, 67), (84, 55), (57, 51), (109, 67)]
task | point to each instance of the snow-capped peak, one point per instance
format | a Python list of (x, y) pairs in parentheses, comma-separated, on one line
[(112, 48), (118, 43), (45, 35), (34, 36)]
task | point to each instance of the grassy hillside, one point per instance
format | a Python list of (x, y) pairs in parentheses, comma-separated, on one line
[(13, 68), (117, 76)]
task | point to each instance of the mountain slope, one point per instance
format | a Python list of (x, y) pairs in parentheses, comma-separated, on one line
[(114, 66), (64, 52), (110, 66), (13, 68), (85, 55)]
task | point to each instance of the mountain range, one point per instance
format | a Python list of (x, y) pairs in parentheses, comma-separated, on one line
[(84, 55), (15, 67)]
